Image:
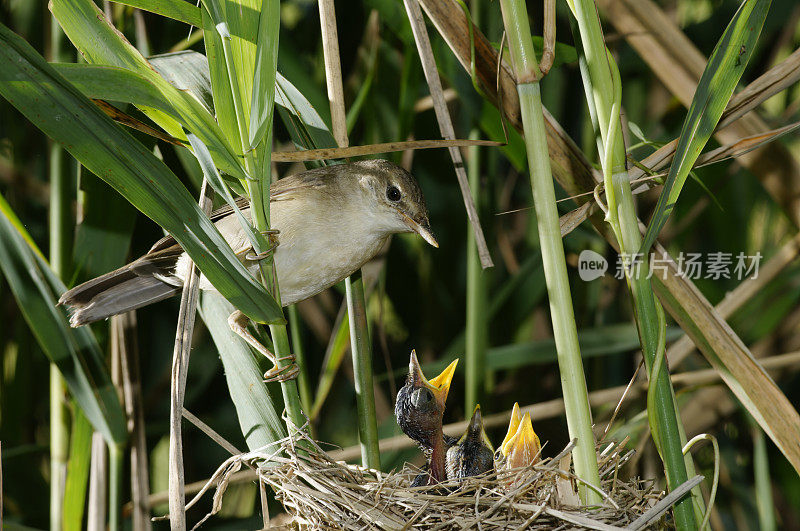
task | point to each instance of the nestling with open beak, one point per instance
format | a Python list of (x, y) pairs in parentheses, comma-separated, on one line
[(330, 221), (472, 454), (521, 445), (419, 411)]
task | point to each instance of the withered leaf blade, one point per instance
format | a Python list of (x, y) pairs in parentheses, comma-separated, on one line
[(129, 121)]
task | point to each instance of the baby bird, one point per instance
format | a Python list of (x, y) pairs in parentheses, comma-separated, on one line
[(419, 411), (521, 445), (472, 454)]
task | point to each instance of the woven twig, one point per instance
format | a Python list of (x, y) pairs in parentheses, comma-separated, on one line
[(321, 493)]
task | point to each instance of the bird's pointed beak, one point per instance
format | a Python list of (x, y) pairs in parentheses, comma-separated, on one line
[(476, 422), (524, 447), (439, 386), (423, 228), (513, 424), (475, 429)]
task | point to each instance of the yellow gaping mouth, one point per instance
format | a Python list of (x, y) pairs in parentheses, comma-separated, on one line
[(439, 386), (521, 447)]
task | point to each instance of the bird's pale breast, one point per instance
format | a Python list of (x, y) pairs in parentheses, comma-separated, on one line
[(321, 241)]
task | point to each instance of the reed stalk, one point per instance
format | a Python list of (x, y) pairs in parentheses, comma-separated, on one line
[(361, 351), (116, 467), (604, 96), (360, 344), (573, 383), (258, 190), (304, 386), (61, 230), (477, 330)]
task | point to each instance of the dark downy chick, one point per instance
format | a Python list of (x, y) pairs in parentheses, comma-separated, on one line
[(472, 454), (419, 411)]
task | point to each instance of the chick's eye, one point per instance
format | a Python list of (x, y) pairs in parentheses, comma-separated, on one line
[(421, 397), (393, 194)]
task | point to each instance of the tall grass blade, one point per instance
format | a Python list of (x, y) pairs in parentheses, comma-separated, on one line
[(100, 43), (179, 10), (763, 484), (259, 419), (62, 178), (334, 354), (74, 351), (68, 117), (723, 71), (77, 471), (263, 93), (361, 351), (579, 416)]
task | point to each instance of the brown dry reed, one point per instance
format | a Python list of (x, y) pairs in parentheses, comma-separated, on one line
[(320, 493)]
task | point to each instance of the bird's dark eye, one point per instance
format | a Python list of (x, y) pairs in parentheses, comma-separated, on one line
[(393, 194), (421, 397)]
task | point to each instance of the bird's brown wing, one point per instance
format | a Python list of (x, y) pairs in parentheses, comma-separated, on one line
[(281, 190)]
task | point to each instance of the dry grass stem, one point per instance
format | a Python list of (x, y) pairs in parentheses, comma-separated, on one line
[(541, 411), (373, 149), (124, 326), (645, 172), (98, 482), (739, 296), (333, 71), (548, 36), (212, 434), (180, 369), (322, 493), (446, 123)]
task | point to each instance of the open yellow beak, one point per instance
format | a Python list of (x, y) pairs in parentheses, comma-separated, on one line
[(524, 447), (439, 386), (513, 424)]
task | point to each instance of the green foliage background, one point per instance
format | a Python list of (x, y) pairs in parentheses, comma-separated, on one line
[(419, 295)]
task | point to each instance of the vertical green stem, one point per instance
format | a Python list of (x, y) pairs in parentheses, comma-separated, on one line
[(605, 97), (576, 402), (477, 320), (258, 190), (360, 344), (303, 384), (60, 252), (361, 351), (763, 485)]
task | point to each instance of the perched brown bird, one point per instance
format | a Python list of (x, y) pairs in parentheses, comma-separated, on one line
[(330, 220), (419, 411), (472, 454), (521, 445)]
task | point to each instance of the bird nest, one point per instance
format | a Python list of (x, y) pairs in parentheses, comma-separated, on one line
[(320, 493)]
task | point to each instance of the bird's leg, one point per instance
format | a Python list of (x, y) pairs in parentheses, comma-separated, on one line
[(238, 322), (272, 237)]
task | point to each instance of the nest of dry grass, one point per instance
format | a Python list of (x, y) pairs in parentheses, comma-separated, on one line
[(320, 493)]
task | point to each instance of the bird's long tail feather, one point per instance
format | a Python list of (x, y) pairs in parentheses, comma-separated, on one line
[(116, 292)]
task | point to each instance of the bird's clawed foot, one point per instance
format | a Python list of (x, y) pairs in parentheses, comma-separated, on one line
[(272, 237), (278, 373)]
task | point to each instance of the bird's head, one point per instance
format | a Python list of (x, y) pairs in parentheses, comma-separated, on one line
[(521, 446), (395, 197), (475, 432), (472, 454), (420, 402)]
